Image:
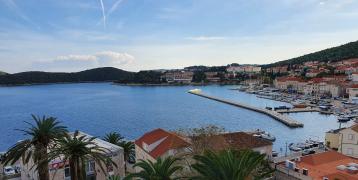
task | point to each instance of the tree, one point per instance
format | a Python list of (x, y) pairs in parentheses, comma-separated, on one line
[(199, 76), (113, 137), (230, 165), (78, 150), (41, 135), (200, 137), (128, 146), (159, 170)]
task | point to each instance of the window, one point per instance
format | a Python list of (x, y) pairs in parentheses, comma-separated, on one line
[(67, 172), (349, 151), (350, 136), (90, 167)]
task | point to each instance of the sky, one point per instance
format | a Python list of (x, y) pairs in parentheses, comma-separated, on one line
[(74, 35)]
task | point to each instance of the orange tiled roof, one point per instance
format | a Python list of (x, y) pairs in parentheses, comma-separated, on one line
[(317, 80), (171, 141), (290, 78), (236, 140), (325, 165)]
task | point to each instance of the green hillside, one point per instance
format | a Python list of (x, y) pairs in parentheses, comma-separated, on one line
[(346, 51), (2, 73), (92, 75)]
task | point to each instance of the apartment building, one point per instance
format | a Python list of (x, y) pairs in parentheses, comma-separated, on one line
[(59, 169), (290, 83), (178, 76)]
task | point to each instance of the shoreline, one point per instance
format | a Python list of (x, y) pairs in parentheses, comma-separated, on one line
[(121, 84)]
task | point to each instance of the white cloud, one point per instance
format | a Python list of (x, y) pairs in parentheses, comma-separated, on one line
[(206, 38), (81, 62)]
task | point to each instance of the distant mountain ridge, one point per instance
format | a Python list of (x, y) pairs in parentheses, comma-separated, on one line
[(92, 75), (338, 53), (2, 73)]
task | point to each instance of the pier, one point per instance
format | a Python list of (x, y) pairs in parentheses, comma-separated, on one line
[(282, 118)]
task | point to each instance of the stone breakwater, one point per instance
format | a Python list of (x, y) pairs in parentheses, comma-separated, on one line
[(280, 117)]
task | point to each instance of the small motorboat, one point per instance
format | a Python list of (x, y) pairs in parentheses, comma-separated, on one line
[(274, 154), (343, 119), (294, 147), (264, 135)]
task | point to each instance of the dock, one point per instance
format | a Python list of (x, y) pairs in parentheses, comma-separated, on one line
[(281, 118), (296, 110)]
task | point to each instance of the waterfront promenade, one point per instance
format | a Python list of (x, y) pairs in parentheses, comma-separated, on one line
[(282, 118)]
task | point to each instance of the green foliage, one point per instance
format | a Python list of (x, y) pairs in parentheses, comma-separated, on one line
[(162, 169), (144, 77), (346, 51), (45, 131), (92, 75), (199, 76), (113, 137), (230, 165), (128, 146), (78, 150)]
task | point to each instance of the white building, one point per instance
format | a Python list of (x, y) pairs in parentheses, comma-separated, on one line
[(353, 93), (354, 77), (290, 83), (159, 144), (60, 170)]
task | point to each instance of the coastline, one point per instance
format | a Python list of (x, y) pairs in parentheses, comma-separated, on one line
[(121, 84)]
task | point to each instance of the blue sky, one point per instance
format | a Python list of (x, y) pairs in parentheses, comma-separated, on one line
[(72, 35)]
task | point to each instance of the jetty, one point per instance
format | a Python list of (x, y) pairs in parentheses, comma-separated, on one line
[(282, 118)]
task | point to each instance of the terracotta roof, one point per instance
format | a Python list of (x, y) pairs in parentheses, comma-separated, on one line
[(317, 80), (354, 127), (354, 86), (339, 175), (322, 158), (237, 140), (325, 165), (169, 141), (290, 78)]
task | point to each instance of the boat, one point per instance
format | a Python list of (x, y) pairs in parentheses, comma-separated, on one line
[(274, 154), (293, 147), (264, 135), (343, 119)]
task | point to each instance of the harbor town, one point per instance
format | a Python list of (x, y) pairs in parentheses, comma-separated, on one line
[(334, 156), (178, 90)]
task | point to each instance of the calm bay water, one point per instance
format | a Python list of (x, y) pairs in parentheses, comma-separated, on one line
[(98, 108)]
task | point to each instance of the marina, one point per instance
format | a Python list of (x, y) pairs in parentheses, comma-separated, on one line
[(101, 107), (282, 118)]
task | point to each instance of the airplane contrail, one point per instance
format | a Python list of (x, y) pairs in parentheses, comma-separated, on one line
[(103, 14)]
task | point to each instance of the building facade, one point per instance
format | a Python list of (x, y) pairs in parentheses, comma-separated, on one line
[(59, 169)]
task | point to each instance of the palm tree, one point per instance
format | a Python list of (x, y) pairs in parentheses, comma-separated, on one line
[(113, 137), (78, 150), (128, 146), (41, 135), (159, 170), (230, 165)]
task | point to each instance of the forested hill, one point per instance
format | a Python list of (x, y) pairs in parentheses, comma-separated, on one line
[(346, 51), (2, 73), (92, 75)]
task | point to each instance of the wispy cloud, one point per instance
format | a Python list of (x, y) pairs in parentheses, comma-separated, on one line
[(206, 38), (103, 14), (114, 7), (74, 62)]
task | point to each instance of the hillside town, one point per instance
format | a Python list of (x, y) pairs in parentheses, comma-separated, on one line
[(330, 88)]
